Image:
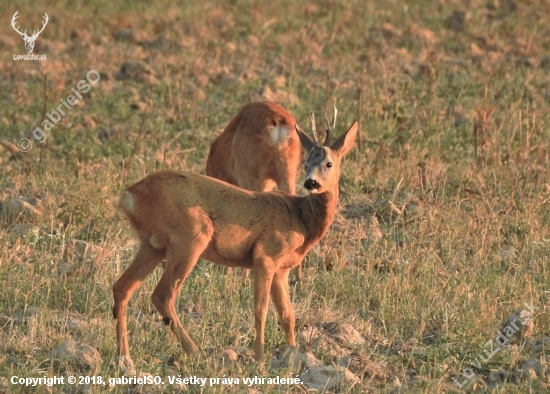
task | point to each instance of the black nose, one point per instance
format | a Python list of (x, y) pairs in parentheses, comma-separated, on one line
[(311, 184)]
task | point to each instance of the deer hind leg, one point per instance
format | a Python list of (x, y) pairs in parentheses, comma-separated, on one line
[(181, 259), (144, 262), (286, 182), (281, 298)]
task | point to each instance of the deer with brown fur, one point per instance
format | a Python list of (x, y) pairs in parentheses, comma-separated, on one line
[(181, 216), (258, 149)]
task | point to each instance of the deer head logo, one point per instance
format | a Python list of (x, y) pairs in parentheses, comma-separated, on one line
[(29, 41)]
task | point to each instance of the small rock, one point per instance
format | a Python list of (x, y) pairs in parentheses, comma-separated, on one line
[(81, 250), (35, 202), (520, 325), (234, 356), (295, 358), (137, 71), (531, 369), (344, 334), (25, 230), (363, 366), (125, 34), (327, 377), (308, 334), (524, 61), (84, 357), (63, 268), (456, 21), (540, 345), (327, 346), (27, 314), (159, 42), (105, 134), (20, 207), (75, 324), (496, 377)]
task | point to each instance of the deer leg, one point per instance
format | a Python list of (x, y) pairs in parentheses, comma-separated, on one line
[(263, 276), (281, 298), (180, 262), (286, 182), (144, 262), (298, 276)]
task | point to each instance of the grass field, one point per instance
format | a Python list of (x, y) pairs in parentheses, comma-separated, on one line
[(443, 230)]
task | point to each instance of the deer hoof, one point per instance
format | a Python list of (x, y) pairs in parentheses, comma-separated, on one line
[(125, 365)]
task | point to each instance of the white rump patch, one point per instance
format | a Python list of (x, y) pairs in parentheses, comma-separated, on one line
[(277, 134), (127, 202)]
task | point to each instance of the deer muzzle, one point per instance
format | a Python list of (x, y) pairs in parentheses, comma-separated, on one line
[(312, 184)]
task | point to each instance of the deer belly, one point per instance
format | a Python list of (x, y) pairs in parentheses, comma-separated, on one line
[(238, 253)]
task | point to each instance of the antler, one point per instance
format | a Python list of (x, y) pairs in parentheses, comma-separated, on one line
[(13, 20), (330, 127), (43, 25), (313, 129)]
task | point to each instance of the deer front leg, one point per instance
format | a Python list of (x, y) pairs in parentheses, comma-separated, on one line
[(263, 276), (281, 298), (144, 262)]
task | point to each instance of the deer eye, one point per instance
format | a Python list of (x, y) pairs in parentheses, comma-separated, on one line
[(329, 164)]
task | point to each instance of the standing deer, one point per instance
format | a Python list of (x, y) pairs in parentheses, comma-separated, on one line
[(181, 216), (259, 149), (29, 41)]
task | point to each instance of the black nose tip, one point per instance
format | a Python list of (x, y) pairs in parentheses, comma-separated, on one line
[(311, 184)]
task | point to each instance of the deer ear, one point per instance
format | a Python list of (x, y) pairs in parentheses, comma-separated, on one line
[(305, 139), (343, 144)]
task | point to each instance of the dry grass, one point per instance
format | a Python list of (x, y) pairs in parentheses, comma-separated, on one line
[(443, 230)]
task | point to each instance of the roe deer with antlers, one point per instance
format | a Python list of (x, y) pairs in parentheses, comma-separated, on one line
[(181, 216)]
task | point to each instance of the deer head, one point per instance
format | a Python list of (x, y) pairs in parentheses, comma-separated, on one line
[(29, 41), (323, 161)]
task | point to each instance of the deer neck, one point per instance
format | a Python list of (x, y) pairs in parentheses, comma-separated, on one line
[(317, 211)]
